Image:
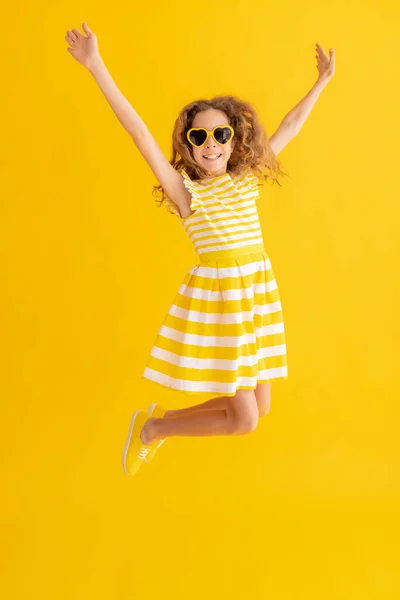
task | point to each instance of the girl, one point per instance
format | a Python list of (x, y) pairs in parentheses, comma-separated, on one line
[(224, 333)]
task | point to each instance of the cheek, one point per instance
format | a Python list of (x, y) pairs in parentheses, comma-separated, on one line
[(197, 153), (228, 149)]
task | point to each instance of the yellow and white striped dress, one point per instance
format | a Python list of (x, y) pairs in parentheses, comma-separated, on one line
[(224, 330)]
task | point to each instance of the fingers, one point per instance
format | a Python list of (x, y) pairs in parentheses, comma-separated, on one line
[(321, 51), (332, 64), (325, 63), (73, 34), (86, 29), (70, 38)]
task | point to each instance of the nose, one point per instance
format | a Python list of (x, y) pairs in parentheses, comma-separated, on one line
[(210, 141)]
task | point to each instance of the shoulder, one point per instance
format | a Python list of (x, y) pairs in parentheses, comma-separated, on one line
[(190, 184), (248, 179)]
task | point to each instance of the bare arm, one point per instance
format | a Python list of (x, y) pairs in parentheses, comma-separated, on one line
[(298, 115), (85, 50), (295, 119), (126, 114), (169, 178)]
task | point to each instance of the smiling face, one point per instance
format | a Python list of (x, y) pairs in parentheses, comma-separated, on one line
[(212, 156)]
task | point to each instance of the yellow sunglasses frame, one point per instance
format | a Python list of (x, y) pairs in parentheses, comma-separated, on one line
[(209, 133)]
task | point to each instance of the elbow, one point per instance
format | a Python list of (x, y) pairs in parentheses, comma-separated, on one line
[(293, 127)]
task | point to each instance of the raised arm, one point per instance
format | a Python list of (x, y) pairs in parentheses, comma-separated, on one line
[(85, 51), (295, 119)]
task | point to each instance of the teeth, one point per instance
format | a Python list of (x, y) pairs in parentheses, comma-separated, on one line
[(212, 156)]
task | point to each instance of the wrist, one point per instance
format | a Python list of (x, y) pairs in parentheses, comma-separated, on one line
[(95, 63), (321, 83)]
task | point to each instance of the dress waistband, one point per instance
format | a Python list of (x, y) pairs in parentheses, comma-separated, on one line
[(206, 257)]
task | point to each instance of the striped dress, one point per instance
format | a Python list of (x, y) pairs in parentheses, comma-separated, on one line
[(224, 330)]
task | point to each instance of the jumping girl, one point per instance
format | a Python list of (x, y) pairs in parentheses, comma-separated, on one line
[(224, 332)]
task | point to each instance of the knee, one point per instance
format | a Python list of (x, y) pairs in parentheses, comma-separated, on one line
[(263, 397), (244, 423), (263, 408), (243, 414), (248, 423)]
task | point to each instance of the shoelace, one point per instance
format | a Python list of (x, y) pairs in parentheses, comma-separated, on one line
[(143, 452)]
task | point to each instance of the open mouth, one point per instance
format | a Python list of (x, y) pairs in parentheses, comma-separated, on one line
[(212, 156)]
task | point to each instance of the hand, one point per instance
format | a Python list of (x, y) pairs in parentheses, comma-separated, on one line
[(325, 65), (84, 49)]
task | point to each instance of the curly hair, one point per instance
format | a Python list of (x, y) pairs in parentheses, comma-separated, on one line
[(250, 152)]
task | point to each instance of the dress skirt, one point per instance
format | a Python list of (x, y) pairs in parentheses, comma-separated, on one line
[(224, 330)]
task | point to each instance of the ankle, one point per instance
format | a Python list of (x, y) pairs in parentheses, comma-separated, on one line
[(147, 434)]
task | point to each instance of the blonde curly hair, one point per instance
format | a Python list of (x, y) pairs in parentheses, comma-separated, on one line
[(251, 150)]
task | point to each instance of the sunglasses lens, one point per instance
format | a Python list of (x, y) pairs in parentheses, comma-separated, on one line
[(222, 135), (198, 137)]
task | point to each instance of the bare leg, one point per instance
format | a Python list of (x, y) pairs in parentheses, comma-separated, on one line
[(263, 397), (213, 404), (239, 416)]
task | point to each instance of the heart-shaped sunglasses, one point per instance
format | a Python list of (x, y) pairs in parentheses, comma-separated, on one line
[(198, 136)]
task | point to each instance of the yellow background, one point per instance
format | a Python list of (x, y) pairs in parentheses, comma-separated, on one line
[(307, 507)]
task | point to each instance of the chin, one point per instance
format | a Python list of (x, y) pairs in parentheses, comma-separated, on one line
[(214, 169)]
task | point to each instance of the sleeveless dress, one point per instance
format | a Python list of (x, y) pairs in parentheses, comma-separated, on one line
[(224, 330)]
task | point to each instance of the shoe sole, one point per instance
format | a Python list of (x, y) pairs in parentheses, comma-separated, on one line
[(128, 441)]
